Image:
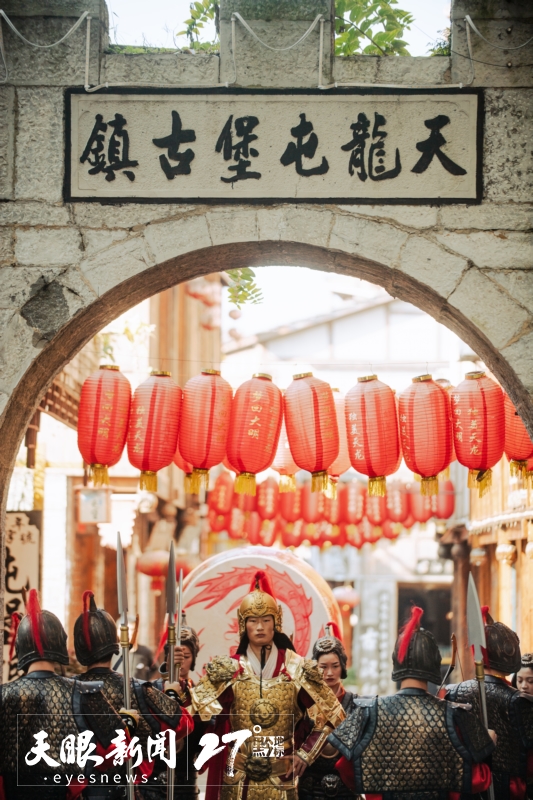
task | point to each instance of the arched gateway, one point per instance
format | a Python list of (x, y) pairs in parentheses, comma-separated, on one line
[(86, 230)]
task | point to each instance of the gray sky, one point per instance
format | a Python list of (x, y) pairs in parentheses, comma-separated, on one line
[(156, 21)]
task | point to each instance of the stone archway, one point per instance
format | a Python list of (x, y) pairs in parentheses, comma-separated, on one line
[(404, 252)]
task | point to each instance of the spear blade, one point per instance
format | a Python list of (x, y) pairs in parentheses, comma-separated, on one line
[(474, 617), (171, 585), (121, 584)]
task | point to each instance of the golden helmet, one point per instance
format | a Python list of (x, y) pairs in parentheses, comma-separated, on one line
[(259, 603)]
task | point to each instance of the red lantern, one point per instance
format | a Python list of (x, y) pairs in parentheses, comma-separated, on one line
[(313, 532), (221, 496), (267, 498), (354, 537), (269, 531), (245, 503), (312, 427), (155, 564), (371, 533), (410, 521), (443, 504), (227, 464), (478, 427), (391, 530), (372, 429), (204, 425), (445, 384), (103, 417), (236, 524), (255, 423), (180, 462), (397, 502), (376, 509), (332, 510), (153, 427), (419, 504), (292, 533), (333, 535), (252, 528), (312, 504), (217, 522), (352, 498), (342, 462), (518, 444), (425, 429), (284, 463), (347, 598), (290, 505)]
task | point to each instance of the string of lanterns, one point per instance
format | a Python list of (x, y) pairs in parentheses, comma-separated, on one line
[(310, 427)]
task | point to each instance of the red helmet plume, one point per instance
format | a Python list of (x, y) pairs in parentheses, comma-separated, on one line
[(334, 630), (407, 631), (162, 643), (261, 581), (15, 622), (487, 619), (33, 610)]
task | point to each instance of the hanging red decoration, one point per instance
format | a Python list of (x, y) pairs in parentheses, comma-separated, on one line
[(397, 502), (153, 427), (352, 498), (284, 463), (155, 564), (376, 509), (292, 533), (236, 524), (312, 504), (204, 425), (354, 536), (425, 429), (332, 510), (290, 505), (229, 467), (245, 503), (313, 532), (518, 444), (478, 427), (371, 533), (372, 430), (181, 463), (419, 504), (410, 521), (333, 535), (269, 531), (217, 522), (220, 498), (448, 387), (347, 598), (443, 503), (103, 417), (255, 422), (252, 528), (342, 462), (267, 498), (312, 427), (391, 530)]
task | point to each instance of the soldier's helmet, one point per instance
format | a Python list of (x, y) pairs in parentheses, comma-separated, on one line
[(95, 633), (416, 653), (331, 643), (259, 603), (40, 636), (502, 653)]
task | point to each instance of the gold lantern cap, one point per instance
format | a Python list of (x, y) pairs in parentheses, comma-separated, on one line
[(109, 366), (302, 375), (472, 376), (422, 378), (264, 375), (210, 372), (259, 602), (366, 378), (159, 373)]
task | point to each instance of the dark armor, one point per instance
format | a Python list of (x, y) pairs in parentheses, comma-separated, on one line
[(422, 661), (53, 640), (503, 647), (511, 715), (95, 634), (44, 701), (408, 745), (321, 780)]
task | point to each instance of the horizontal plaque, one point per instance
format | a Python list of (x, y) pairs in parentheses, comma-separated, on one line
[(266, 146)]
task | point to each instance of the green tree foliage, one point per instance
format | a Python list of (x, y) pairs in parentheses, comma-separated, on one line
[(442, 46), (371, 28), (243, 288), (202, 12)]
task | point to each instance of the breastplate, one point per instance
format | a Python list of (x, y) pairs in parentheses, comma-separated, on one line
[(272, 708)]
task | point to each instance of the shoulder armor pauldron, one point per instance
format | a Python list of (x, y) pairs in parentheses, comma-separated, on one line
[(460, 706), (88, 687), (364, 702), (221, 669), (311, 671)]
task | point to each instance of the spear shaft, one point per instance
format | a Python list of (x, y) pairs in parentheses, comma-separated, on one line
[(125, 647)]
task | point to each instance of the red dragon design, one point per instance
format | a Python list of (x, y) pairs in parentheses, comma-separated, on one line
[(217, 589)]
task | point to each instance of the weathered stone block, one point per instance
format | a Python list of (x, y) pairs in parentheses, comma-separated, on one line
[(488, 307), (40, 150), (23, 213), (397, 70), (129, 215), (170, 239), (6, 246), (225, 227), (94, 241), (309, 225), (20, 284), (7, 140), (417, 217), (431, 265), (164, 68), (110, 267), (374, 240), (518, 354), (517, 284), (508, 156), (53, 8), (275, 9), (47, 247), (490, 9), (491, 65), (18, 348), (501, 250), (488, 216)]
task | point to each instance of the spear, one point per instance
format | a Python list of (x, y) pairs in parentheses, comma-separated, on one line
[(476, 637), (171, 641), (125, 646), (451, 667)]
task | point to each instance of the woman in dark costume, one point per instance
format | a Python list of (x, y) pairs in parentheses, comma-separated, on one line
[(320, 780)]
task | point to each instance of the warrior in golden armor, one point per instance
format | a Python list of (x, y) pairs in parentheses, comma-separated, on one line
[(266, 689)]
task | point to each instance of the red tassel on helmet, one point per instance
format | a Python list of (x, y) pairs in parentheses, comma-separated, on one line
[(162, 643), (86, 631), (33, 609), (15, 622), (334, 630), (407, 631), (261, 581), (484, 613)]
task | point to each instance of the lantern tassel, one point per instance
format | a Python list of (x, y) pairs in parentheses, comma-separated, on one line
[(377, 487), (197, 480), (245, 484), (99, 475), (331, 491), (287, 483), (445, 474), (429, 486), (148, 481), (319, 481), (417, 477), (484, 481), (472, 475), (529, 479), (518, 469)]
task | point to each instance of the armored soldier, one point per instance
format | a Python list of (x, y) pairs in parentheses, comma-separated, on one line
[(43, 715), (95, 641), (413, 744), (510, 712), (321, 780), (264, 690)]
